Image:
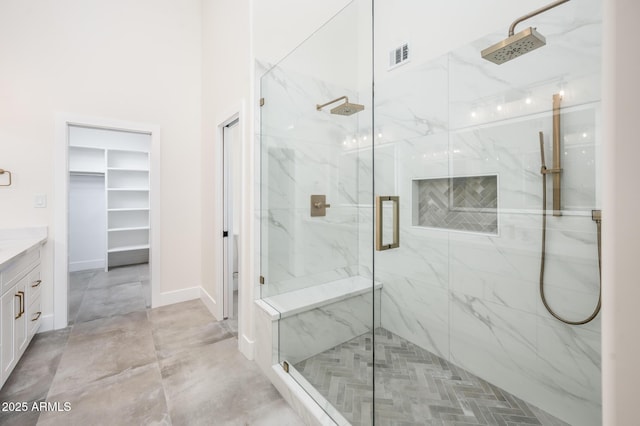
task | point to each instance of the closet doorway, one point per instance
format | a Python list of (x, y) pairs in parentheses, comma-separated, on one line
[(231, 207), (109, 223)]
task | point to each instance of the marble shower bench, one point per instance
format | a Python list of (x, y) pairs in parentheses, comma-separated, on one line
[(311, 320)]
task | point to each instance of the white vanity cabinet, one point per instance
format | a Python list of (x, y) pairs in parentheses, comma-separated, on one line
[(19, 306)]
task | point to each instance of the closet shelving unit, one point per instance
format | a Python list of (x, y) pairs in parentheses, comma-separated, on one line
[(127, 184), (126, 175)]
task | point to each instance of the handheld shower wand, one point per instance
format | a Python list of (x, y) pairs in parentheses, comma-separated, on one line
[(596, 216)]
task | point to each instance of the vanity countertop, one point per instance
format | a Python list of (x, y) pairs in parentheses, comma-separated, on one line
[(15, 241)]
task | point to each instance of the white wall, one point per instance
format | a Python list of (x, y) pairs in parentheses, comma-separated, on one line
[(281, 25), (226, 91), (130, 61), (87, 222), (621, 231)]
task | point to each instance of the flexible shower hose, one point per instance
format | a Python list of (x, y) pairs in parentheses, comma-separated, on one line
[(543, 171)]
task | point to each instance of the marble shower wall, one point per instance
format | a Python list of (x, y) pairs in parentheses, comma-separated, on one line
[(472, 298), (302, 154)]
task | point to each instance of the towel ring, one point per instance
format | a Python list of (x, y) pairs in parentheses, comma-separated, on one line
[(3, 171)]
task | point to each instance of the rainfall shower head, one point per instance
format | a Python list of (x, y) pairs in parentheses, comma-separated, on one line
[(346, 108), (514, 46), (518, 44)]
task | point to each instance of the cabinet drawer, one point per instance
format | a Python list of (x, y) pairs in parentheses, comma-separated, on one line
[(34, 314), (12, 273), (34, 284)]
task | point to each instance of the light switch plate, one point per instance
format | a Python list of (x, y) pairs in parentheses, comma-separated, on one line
[(40, 201)]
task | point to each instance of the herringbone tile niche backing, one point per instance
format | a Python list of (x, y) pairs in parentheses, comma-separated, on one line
[(466, 203)]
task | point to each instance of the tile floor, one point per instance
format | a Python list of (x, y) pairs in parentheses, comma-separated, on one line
[(412, 387), (121, 363)]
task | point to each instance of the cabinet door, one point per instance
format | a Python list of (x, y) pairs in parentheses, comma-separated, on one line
[(21, 322), (10, 309)]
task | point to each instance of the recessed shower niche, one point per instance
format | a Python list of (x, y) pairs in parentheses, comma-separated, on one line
[(463, 203)]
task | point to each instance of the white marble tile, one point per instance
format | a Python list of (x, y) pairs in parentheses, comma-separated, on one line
[(496, 288), (416, 311), (290, 107), (266, 344), (573, 47), (314, 331), (420, 158), (299, 246), (307, 408), (494, 342), (511, 150), (413, 103), (419, 257), (569, 365), (307, 281), (319, 295)]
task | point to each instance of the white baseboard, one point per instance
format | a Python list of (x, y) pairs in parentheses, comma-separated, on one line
[(177, 296), (246, 347), (210, 303), (84, 265), (46, 323)]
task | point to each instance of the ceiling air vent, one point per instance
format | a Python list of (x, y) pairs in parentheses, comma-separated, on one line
[(399, 56)]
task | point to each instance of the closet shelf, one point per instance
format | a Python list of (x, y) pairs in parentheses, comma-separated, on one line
[(127, 169), (94, 148), (132, 228), (128, 209), (86, 172), (128, 248)]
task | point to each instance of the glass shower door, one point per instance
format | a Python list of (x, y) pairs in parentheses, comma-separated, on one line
[(316, 209), (463, 333)]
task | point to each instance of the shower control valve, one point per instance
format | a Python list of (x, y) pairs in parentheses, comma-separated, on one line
[(319, 205)]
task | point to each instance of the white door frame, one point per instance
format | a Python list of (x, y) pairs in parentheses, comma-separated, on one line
[(61, 205), (226, 243)]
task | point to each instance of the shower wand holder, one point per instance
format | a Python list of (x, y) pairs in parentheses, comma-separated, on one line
[(546, 171)]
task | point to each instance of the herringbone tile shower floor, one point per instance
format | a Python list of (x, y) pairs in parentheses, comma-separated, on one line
[(413, 387)]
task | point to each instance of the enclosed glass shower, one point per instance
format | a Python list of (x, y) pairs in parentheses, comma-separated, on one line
[(402, 216)]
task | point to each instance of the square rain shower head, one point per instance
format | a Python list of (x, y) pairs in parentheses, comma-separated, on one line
[(514, 46), (347, 108)]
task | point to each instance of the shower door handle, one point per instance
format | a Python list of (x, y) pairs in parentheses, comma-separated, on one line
[(379, 219)]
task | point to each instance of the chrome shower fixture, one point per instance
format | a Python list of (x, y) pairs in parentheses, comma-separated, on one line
[(518, 44), (346, 108)]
